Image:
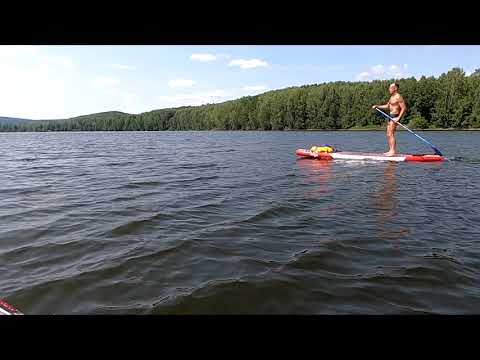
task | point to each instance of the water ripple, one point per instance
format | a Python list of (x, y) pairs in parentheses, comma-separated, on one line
[(199, 223)]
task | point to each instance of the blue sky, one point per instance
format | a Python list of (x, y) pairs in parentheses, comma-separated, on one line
[(46, 82)]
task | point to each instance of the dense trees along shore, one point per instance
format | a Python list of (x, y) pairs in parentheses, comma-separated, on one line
[(451, 100)]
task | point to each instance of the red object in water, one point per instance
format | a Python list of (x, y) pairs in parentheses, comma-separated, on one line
[(7, 309), (351, 155), (424, 157)]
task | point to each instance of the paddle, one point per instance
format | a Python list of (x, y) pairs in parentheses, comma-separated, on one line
[(438, 152)]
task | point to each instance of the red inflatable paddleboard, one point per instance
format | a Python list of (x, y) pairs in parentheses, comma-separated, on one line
[(352, 155)]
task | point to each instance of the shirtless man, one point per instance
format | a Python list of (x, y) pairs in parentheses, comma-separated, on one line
[(397, 108)]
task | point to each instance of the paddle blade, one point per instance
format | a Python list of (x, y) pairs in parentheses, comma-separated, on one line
[(438, 152)]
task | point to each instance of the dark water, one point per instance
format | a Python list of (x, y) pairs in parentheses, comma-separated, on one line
[(232, 222)]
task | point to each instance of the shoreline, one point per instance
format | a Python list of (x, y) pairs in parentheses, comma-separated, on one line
[(384, 129), (287, 130)]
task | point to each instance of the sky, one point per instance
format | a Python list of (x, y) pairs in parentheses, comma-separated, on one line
[(55, 82)]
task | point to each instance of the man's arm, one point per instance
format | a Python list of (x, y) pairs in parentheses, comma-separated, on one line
[(384, 107)]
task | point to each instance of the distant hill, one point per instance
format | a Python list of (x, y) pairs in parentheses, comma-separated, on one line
[(13, 121), (100, 115)]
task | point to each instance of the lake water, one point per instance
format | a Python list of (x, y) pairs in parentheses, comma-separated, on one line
[(233, 223)]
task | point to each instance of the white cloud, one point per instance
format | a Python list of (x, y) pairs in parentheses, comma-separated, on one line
[(248, 64), (398, 71), (40, 82), (58, 60), (181, 83), (126, 101), (193, 99), (255, 88), (106, 81), (13, 51), (35, 81), (363, 76), (34, 55), (122, 67), (378, 69), (379, 72), (203, 57)]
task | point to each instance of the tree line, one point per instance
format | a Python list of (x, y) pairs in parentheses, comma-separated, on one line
[(451, 100)]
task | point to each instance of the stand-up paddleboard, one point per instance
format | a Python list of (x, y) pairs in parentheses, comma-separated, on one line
[(7, 309), (351, 155), (327, 152)]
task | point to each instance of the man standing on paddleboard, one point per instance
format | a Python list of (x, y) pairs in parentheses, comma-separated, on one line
[(397, 107)]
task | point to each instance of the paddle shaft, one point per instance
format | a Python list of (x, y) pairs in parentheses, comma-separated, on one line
[(438, 152)]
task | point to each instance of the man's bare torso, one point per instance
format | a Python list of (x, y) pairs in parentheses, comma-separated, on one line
[(394, 103)]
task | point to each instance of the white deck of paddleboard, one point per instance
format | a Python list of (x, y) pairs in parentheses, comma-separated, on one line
[(4, 312), (349, 155)]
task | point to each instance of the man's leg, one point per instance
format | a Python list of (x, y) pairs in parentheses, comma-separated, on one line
[(391, 127)]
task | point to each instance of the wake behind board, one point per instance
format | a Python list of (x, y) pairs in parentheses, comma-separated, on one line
[(352, 155)]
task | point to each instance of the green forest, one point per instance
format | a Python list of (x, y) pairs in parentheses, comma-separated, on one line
[(450, 101)]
